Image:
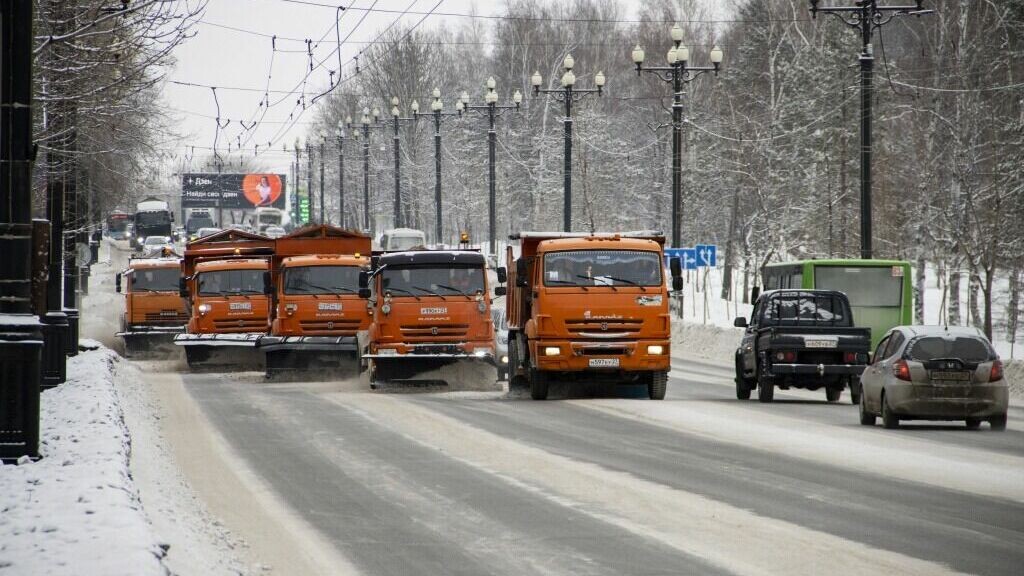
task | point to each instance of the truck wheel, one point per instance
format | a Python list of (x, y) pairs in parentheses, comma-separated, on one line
[(742, 386), (866, 418), (765, 385), (538, 385), (998, 422), (889, 420), (973, 423), (833, 394), (657, 385), (515, 380)]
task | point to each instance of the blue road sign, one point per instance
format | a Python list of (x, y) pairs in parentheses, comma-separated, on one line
[(689, 258), (707, 255)]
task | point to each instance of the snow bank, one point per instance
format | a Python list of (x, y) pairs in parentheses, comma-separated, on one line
[(76, 510), (705, 341)]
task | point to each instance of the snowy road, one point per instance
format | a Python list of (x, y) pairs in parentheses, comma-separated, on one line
[(476, 483)]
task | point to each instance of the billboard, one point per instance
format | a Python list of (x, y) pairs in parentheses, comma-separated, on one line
[(232, 191)]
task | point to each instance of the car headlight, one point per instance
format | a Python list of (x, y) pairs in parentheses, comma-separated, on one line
[(552, 351), (204, 308), (655, 350)]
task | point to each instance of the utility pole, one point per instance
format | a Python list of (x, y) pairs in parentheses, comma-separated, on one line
[(298, 203), (323, 213), (396, 119), (864, 16), (677, 73), (436, 107), (366, 124), (567, 94), (340, 133), (309, 179), (492, 110), (21, 339)]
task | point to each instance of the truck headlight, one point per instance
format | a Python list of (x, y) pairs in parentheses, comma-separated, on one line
[(481, 306), (290, 308), (656, 350), (504, 359), (204, 308), (386, 309), (552, 351)]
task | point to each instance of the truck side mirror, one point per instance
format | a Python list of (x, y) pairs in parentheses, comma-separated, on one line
[(364, 279), (117, 283), (740, 322), (268, 286), (183, 287), (502, 274), (500, 291), (676, 267), (364, 293), (754, 293), (521, 275), (677, 283)]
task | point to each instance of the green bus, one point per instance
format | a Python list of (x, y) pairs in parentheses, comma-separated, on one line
[(879, 290)]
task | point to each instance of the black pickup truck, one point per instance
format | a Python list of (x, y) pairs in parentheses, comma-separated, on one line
[(801, 339)]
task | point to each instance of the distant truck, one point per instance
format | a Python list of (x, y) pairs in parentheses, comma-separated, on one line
[(589, 308), (317, 305), (430, 309), (266, 216), (801, 339), (197, 219), (153, 217), (154, 311), (227, 280), (399, 239)]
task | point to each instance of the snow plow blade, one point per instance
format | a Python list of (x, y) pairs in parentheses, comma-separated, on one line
[(139, 340), (456, 371), (307, 353), (221, 350)]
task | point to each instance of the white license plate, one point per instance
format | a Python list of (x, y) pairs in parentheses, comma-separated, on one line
[(240, 306), (962, 376), (333, 306), (604, 362), (433, 310), (820, 343)]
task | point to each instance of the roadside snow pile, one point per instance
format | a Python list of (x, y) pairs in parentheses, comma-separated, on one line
[(705, 341), (1014, 373), (76, 510)]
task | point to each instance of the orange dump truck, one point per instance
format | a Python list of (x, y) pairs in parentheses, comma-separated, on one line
[(430, 308), (153, 310), (589, 308), (226, 278), (317, 307)]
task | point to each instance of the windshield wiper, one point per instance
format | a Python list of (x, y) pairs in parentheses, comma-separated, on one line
[(402, 290), (453, 289), (431, 292), (550, 280), (612, 286)]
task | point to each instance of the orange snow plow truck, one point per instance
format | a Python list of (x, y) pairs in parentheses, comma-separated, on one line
[(318, 310), (589, 308), (226, 279), (431, 317), (153, 310)]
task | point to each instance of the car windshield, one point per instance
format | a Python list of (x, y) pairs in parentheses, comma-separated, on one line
[(157, 241), (963, 348), (156, 280), (230, 282), (424, 280), (805, 309), (321, 280), (602, 268), (869, 286)]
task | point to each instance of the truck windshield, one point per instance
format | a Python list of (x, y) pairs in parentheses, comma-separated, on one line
[(156, 280), (963, 348), (424, 280), (197, 222), (602, 268), (869, 286), (222, 282), (805, 309), (321, 280), (152, 218), (399, 243)]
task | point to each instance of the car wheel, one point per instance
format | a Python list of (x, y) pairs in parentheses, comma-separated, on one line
[(889, 420), (866, 418), (998, 422), (833, 394), (973, 423), (856, 390), (657, 385), (765, 385)]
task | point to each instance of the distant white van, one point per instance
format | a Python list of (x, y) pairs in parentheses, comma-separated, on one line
[(399, 239)]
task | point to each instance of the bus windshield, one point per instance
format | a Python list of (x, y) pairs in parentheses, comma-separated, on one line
[(866, 286), (321, 280), (427, 280), (602, 268)]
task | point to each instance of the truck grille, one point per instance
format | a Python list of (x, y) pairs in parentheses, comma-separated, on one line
[(597, 326), (433, 332), (341, 326), (241, 324), (174, 317)]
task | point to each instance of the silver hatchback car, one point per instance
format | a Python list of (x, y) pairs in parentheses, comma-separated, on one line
[(934, 373)]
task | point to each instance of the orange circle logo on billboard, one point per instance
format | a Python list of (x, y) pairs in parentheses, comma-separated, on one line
[(261, 189)]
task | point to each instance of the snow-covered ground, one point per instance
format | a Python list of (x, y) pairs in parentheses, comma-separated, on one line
[(706, 329), (76, 510)]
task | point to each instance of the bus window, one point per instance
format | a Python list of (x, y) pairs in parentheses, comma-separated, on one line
[(865, 286)]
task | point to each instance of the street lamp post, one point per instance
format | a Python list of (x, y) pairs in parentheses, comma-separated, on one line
[(309, 178), (492, 109), (396, 119), (366, 124), (436, 107), (340, 133), (298, 168), (323, 146), (677, 73), (568, 94), (865, 16)]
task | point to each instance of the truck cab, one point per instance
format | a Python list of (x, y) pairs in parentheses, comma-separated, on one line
[(153, 309), (430, 308), (589, 308)]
